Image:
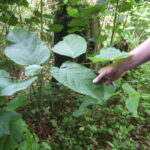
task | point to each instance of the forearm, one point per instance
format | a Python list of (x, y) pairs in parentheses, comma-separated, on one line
[(139, 55)]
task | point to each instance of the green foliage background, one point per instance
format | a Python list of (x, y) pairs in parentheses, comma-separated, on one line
[(38, 113)]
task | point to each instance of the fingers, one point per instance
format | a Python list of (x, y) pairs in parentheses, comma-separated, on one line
[(108, 82), (98, 78)]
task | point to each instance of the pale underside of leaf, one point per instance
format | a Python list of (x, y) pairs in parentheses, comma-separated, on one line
[(26, 48), (32, 70), (8, 87), (72, 46), (109, 54)]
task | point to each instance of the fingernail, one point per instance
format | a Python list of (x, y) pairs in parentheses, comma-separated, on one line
[(94, 81)]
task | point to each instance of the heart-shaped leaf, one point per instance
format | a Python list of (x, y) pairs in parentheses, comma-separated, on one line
[(8, 88), (26, 48), (17, 102), (5, 118), (11, 130), (87, 100), (32, 70), (5, 79), (132, 102), (109, 54), (79, 79), (72, 46), (81, 112)]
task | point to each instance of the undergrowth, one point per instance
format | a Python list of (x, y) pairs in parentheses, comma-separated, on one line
[(110, 127)]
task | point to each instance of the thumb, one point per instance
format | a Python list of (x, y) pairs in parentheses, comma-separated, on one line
[(98, 78)]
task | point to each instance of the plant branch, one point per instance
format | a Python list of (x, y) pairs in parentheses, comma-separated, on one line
[(41, 18), (115, 20), (21, 22)]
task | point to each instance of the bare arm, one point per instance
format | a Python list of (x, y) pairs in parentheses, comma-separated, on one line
[(139, 55)]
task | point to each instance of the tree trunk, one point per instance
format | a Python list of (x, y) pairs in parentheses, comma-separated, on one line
[(62, 18)]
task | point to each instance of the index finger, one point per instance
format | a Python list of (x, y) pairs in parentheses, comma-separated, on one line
[(98, 78)]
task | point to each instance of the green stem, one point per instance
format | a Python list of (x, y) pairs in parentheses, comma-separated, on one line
[(115, 20), (126, 20), (41, 18), (21, 22), (94, 107), (30, 93), (40, 90)]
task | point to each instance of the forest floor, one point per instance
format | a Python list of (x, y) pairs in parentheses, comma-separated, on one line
[(109, 127)]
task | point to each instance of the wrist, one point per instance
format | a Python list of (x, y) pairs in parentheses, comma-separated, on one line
[(125, 64)]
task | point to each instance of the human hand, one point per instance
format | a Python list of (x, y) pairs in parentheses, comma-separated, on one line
[(109, 73)]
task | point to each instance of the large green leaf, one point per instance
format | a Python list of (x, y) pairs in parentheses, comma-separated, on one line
[(81, 112), (26, 48), (78, 22), (91, 10), (109, 54), (6, 65), (15, 87), (75, 29), (8, 88), (72, 46), (17, 102), (32, 70), (5, 79), (73, 12), (79, 79), (55, 27), (109, 90), (8, 17), (132, 102), (11, 141), (129, 90), (4, 128), (87, 100), (5, 118), (18, 2)]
